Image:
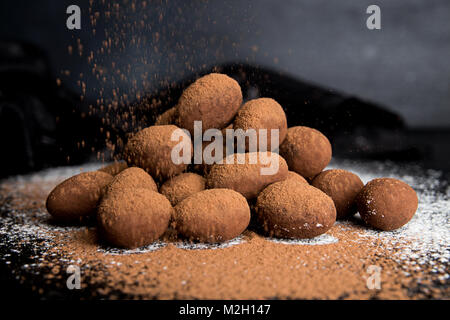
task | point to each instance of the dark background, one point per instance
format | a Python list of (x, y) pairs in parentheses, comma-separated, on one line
[(402, 69)]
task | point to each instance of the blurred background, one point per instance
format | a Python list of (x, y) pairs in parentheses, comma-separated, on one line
[(69, 96)]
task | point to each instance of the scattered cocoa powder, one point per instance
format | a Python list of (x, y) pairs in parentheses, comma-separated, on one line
[(413, 260)]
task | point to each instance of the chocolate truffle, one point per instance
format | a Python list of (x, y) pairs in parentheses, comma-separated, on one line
[(151, 149), (130, 218), (213, 99), (180, 187), (295, 176), (133, 177), (387, 203), (167, 117), (114, 168), (262, 113), (343, 187), (292, 209), (246, 178), (306, 150), (214, 215), (77, 196)]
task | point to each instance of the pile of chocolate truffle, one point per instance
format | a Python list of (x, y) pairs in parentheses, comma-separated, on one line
[(148, 195)]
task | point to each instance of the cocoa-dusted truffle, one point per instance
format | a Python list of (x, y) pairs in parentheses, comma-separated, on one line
[(167, 117), (306, 150), (131, 218), (214, 215), (295, 176), (387, 203), (246, 178), (292, 209), (180, 187), (342, 186), (133, 177), (151, 149), (213, 99), (262, 113), (114, 168), (77, 196)]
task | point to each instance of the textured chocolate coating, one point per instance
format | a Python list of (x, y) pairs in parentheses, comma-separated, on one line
[(131, 218), (343, 187), (114, 168), (295, 176), (151, 148), (77, 196), (262, 113), (245, 178), (213, 99), (180, 187), (214, 215), (167, 117), (291, 209), (306, 150), (133, 177), (387, 203)]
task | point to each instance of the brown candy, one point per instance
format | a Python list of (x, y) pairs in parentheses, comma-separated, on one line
[(387, 203), (151, 149), (262, 113), (245, 178), (291, 209), (214, 215), (167, 117), (114, 168), (180, 187), (306, 150), (133, 177), (295, 176), (213, 99), (77, 196), (343, 187), (131, 218)]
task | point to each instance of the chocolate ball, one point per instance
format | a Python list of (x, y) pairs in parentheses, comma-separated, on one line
[(292, 209), (246, 178), (130, 218), (77, 196), (151, 149), (343, 187), (213, 99), (262, 113), (306, 150), (133, 177), (214, 215), (387, 203), (167, 117), (114, 168), (180, 187), (295, 176)]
